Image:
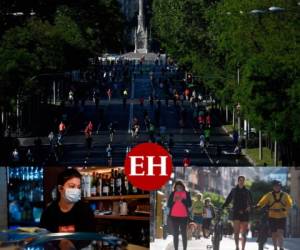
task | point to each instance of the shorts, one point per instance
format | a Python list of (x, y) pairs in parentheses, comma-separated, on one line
[(277, 223), (243, 217), (198, 219), (206, 223)]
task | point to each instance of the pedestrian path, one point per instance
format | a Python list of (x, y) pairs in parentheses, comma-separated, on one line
[(227, 243)]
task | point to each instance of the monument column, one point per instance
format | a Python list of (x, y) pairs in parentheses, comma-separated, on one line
[(141, 35)]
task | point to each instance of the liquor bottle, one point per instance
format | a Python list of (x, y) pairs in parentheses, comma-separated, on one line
[(88, 185), (118, 179), (112, 183), (134, 190), (99, 185), (125, 184), (105, 186), (83, 184), (93, 185)]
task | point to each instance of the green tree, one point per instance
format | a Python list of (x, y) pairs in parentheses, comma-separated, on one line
[(216, 38), (260, 188), (216, 199), (37, 47)]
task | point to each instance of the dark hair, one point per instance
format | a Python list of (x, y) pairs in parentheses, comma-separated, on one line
[(66, 175), (63, 177), (177, 183), (241, 177)]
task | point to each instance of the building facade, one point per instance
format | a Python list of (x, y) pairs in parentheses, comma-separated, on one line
[(294, 179)]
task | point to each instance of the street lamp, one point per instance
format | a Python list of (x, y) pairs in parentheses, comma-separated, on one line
[(255, 12), (20, 13), (276, 9)]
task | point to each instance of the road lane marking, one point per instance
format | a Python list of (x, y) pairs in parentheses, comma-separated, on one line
[(131, 106), (208, 156)]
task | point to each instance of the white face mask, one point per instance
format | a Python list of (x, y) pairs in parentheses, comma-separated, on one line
[(73, 195)]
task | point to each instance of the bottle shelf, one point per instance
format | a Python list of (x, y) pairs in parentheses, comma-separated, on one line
[(123, 217), (118, 197)]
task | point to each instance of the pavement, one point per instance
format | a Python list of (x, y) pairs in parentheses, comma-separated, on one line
[(227, 243)]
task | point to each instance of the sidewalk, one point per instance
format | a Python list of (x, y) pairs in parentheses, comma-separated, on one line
[(161, 244), (243, 150), (226, 244)]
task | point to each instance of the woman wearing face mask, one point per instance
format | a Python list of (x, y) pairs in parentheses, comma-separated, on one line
[(68, 213), (179, 204)]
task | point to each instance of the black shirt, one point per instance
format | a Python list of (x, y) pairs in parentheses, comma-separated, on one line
[(241, 198), (79, 219)]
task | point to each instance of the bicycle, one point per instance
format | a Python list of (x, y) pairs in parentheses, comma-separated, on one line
[(217, 233), (263, 228)]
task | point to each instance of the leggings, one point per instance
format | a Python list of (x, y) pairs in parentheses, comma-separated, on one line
[(181, 223)]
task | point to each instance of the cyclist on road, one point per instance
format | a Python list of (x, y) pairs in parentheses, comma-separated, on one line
[(242, 201), (278, 203)]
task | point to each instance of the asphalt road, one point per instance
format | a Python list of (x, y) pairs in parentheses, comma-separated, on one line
[(75, 151)]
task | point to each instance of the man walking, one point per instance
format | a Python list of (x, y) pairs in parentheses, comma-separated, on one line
[(242, 201), (278, 203)]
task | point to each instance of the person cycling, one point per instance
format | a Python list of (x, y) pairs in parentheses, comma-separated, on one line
[(242, 201), (278, 203)]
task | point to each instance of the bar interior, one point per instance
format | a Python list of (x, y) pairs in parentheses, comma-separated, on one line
[(120, 209)]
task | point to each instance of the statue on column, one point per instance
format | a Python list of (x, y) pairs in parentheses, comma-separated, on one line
[(141, 34)]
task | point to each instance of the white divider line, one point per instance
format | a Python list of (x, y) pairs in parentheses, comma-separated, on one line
[(131, 106)]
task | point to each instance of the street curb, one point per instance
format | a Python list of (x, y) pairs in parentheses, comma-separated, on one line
[(249, 158), (243, 150)]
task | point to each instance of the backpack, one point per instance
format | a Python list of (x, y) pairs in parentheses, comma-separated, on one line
[(275, 200)]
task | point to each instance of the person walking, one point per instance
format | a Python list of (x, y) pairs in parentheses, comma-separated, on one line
[(88, 136), (109, 94), (279, 203), (109, 154), (179, 204), (242, 201), (111, 130), (61, 128), (197, 209), (208, 214)]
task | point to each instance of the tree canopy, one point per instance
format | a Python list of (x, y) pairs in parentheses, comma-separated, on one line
[(216, 38)]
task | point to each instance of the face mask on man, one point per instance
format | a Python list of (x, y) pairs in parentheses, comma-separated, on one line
[(73, 195)]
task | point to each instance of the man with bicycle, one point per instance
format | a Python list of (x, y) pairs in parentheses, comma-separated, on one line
[(242, 201), (278, 203)]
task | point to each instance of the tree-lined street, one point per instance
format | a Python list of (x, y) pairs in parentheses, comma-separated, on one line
[(214, 65)]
